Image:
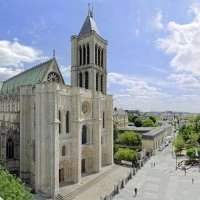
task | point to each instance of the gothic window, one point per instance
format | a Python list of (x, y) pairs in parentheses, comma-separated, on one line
[(102, 54), (67, 122), (101, 83), (97, 81), (84, 134), (80, 79), (59, 117), (10, 149), (88, 54), (103, 120), (99, 54), (63, 150), (84, 55), (96, 52), (86, 80), (53, 77), (80, 55)]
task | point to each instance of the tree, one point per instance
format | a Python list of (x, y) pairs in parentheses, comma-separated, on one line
[(12, 187), (153, 119), (191, 153), (130, 138), (148, 123), (126, 154), (179, 144), (138, 122)]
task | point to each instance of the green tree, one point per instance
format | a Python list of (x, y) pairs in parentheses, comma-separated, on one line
[(12, 188), (130, 138), (138, 122), (126, 154), (191, 153), (153, 119), (179, 144), (148, 123)]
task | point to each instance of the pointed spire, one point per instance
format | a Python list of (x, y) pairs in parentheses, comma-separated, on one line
[(54, 53), (90, 10), (89, 24)]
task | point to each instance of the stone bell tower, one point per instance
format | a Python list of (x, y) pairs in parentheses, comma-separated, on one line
[(88, 57)]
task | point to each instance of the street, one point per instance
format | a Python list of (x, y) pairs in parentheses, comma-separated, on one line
[(162, 182)]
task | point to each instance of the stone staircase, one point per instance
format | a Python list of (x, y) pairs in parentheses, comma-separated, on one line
[(73, 194)]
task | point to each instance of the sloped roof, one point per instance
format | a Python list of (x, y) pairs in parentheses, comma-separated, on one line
[(89, 25), (31, 76)]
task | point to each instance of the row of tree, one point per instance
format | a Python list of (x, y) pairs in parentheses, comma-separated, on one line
[(142, 122), (127, 145), (188, 139)]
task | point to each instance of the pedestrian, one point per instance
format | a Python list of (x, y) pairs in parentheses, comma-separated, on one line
[(136, 191), (185, 170), (192, 180), (154, 164)]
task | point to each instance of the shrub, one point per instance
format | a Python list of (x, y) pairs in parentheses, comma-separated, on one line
[(12, 188), (125, 154)]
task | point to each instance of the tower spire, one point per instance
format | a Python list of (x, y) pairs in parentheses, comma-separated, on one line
[(90, 10)]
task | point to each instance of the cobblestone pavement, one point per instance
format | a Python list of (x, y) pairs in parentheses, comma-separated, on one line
[(163, 182)]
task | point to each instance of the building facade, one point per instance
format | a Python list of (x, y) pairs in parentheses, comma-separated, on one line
[(52, 134)]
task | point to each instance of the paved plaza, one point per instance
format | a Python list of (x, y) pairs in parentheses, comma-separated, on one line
[(163, 182)]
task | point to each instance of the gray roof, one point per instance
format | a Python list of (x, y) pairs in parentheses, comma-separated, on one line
[(89, 26)]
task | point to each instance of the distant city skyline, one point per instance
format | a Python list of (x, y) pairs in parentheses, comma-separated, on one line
[(153, 55)]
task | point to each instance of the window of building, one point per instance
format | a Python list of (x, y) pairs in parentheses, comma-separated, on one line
[(80, 80), (84, 134), (10, 149), (86, 80), (59, 117), (99, 55), (84, 55), (96, 52), (67, 122), (88, 54), (102, 54), (101, 83), (103, 121), (80, 55), (63, 150), (97, 81)]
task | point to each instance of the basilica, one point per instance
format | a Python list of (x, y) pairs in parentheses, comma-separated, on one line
[(52, 134)]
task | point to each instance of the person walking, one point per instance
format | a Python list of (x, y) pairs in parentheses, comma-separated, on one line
[(192, 180), (136, 191)]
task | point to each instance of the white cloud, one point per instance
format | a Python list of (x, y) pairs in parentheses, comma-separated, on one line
[(183, 42), (13, 56), (158, 21), (185, 81)]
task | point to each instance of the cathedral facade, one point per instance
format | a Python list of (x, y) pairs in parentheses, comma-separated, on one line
[(52, 134)]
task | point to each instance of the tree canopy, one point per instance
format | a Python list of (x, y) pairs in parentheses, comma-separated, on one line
[(126, 154)]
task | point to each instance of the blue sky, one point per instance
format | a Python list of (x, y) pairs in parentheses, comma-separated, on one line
[(153, 53)]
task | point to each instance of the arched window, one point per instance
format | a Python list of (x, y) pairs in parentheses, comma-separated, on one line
[(96, 52), (63, 150), (84, 134), (84, 55), (88, 54), (101, 83), (103, 120), (80, 80), (99, 54), (59, 118), (86, 80), (67, 122), (80, 55), (97, 81), (102, 54), (10, 149)]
